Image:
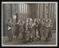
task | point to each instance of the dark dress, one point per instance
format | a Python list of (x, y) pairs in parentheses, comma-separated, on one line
[(9, 33), (17, 30), (39, 26), (24, 31), (35, 27)]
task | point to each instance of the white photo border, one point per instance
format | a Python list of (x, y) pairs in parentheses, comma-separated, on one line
[(28, 45)]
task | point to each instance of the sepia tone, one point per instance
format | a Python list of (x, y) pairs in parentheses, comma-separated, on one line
[(29, 24)]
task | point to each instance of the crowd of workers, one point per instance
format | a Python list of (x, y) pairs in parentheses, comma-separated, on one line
[(30, 29)]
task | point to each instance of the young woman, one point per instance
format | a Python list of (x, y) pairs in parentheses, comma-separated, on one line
[(9, 33)]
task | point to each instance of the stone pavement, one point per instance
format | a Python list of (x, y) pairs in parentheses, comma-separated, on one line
[(37, 42)]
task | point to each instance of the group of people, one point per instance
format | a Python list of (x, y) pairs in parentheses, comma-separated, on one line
[(30, 29)]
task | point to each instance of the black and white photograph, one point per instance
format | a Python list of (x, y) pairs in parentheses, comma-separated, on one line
[(29, 24)]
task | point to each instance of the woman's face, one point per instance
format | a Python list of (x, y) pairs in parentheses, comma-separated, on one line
[(43, 21), (9, 20)]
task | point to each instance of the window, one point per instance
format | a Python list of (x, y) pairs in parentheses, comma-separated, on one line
[(23, 8)]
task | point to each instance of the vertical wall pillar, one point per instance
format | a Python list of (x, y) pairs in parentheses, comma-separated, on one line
[(7, 14), (41, 10), (46, 10), (38, 10)]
